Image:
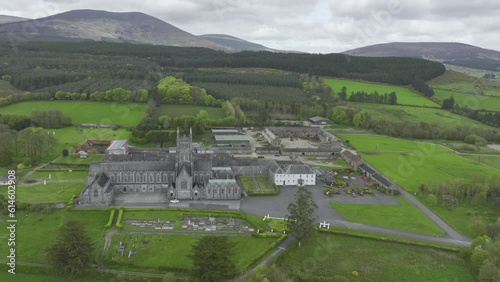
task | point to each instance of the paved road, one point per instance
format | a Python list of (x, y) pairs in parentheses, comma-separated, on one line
[(276, 206)]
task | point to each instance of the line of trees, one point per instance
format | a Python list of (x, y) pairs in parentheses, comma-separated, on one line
[(374, 97), (421, 86), (32, 143)]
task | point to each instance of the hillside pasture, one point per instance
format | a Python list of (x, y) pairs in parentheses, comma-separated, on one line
[(409, 170), (384, 143), (405, 95), (415, 114), (83, 111), (472, 101), (174, 111)]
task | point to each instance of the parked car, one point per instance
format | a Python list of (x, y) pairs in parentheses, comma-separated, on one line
[(354, 195), (174, 201)]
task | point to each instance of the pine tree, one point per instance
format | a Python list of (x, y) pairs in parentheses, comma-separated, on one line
[(72, 253)]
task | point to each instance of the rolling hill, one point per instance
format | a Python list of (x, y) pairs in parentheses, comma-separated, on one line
[(235, 43), (130, 27), (97, 25), (10, 19), (445, 52)]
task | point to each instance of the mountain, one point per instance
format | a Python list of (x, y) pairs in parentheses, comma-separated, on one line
[(10, 19), (446, 52), (132, 27), (235, 43)]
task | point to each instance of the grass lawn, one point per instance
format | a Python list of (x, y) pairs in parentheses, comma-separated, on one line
[(325, 256), (277, 225), (188, 110), (403, 217), (405, 95), (60, 175), (248, 184), (366, 142), (340, 162), (83, 111), (172, 250), (263, 182), (471, 101), (414, 114), (50, 193), (36, 231)]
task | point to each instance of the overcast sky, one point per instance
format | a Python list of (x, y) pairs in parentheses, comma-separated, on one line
[(319, 26)]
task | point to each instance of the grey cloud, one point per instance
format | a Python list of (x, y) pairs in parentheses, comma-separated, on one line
[(314, 26)]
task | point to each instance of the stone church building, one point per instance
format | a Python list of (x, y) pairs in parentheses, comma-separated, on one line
[(183, 175)]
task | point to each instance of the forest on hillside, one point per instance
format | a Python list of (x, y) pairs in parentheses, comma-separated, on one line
[(78, 63)]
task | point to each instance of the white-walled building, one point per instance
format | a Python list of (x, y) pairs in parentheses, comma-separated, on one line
[(292, 174)]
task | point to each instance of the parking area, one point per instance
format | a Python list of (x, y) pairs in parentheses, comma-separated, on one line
[(276, 206)]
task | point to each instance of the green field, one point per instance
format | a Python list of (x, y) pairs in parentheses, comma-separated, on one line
[(51, 193), (411, 169), (83, 111), (327, 255), (69, 137), (188, 110), (405, 216), (492, 161), (426, 163), (384, 143), (172, 250), (414, 114), (264, 183), (36, 231), (471, 101), (59, 175), (405, 95)]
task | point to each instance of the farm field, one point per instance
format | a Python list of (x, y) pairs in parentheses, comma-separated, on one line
[(471, 101), (414, 167), (411, 169), (325, 256), (405, 216), (55, 192), (492, 161), (405, 95), (385, 143), (174, 111), (37, 230), (83, 111), (414, 114), (172, 250)]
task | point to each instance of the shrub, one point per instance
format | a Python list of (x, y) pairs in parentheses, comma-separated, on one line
[(111, 216), (355, 273), (119, 220), (65, 152)]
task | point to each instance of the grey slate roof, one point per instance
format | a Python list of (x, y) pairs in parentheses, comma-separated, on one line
[(298, 169), (117, 144), (386, 182), (368, 169)]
